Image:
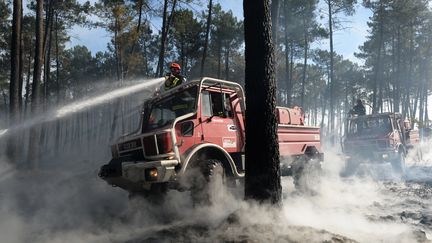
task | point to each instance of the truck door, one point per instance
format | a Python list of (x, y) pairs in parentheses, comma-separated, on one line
[(218, 124)]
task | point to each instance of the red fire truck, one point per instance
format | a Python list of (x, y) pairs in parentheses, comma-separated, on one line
[(378, 138), (198, 130)]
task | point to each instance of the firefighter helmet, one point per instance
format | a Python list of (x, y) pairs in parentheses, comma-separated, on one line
[(175, 65)]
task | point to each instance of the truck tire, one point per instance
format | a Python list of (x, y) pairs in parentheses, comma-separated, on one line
[(306, 174), (398, 164), (208, 184)]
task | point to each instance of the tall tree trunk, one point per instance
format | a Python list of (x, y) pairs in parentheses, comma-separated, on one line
[(21, 65), (378, 63), (146, 68), (47, 48), (14, 85), (287, 54), (426, 115), (262, 181), (166, 23), (291, 73), (182, 55), (117, 49), (209, 18), (38, 56), (415, 104), (306, 43), (135, 40), (47, 69), (275, 21), (332, 85), (275, 29), (34, 133), (57, 59), (407, 86), (422, 95), (398, 72), (227, 62), (346, 107), (27, 86), (140, 9), (159, 68), (15, 61), (219, 57)]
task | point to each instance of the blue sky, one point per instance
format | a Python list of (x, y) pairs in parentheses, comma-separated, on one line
[(346, 41)]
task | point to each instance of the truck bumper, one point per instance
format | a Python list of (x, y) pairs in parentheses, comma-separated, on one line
[(136, 176), (374, 157), (150, 172)]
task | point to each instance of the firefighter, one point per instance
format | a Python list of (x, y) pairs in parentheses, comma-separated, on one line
[(173, 78), (358, 109)]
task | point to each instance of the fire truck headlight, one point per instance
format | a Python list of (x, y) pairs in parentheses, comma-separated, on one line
[(385, 156), (151, 174)]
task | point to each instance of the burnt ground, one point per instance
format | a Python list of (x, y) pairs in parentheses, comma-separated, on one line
[(74, 205)]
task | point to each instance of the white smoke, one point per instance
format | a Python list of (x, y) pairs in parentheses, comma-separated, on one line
[(76, 206)]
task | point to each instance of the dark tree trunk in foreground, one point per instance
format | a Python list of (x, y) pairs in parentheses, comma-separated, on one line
[(262, 181)]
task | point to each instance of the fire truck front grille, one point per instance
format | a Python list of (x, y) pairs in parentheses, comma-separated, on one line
[(366, 147), (150, 146), (134, 154), (158, 145)]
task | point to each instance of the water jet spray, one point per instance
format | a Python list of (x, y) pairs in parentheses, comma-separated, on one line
[(78, 106)]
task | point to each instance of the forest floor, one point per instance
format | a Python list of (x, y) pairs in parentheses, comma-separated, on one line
[(71, 204)]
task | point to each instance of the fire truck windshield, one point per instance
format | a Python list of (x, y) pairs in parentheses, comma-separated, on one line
[(370, 126), (166, 110)]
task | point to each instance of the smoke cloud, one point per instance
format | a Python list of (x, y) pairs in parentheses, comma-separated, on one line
[(76, 206)]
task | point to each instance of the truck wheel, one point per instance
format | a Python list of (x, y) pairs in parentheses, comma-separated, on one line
[(155, 195), (398, 164), (306, 174), (209, 182)]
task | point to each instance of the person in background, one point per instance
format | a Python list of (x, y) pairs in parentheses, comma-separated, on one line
[(358, 109)]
